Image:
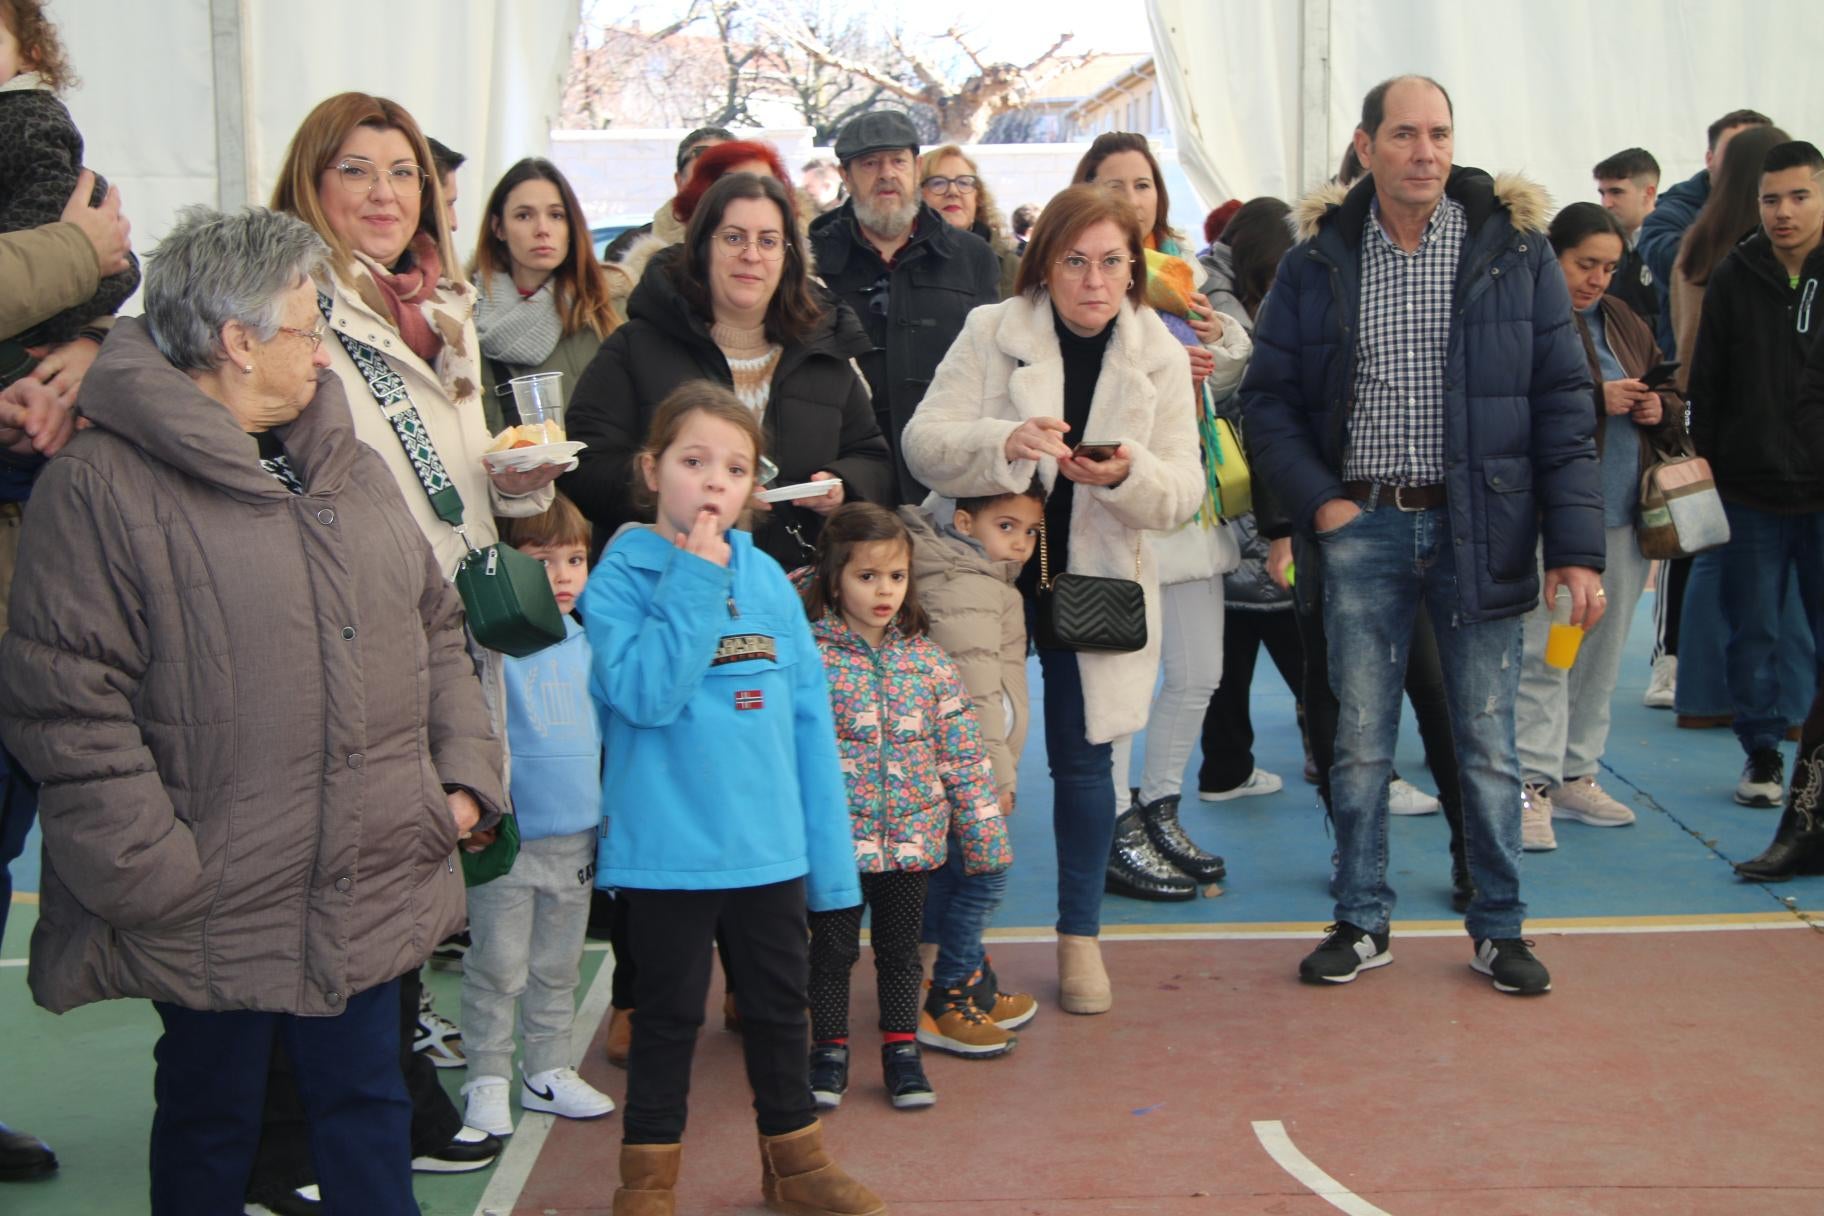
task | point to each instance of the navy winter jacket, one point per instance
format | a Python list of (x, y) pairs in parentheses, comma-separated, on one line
[(1661, 233), (1519, 445)]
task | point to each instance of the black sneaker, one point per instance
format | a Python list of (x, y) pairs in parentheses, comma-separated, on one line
[(304, 1201), (829, 1074), (450, 952), (1763, 780), (469, 1150), (1347, 951), (1510, 963), (904, 1069)]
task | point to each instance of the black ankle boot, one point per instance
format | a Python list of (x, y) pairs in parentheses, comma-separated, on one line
[(1167, 835), (1798, 843), (1135, 868)]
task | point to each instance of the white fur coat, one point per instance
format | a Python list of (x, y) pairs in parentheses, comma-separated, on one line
[(1004, 368)]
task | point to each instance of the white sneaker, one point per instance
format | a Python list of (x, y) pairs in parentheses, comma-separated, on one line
[(1664, 684), (489, 1108), (1582, 799), (1536, 835), (438, 1038), (560, 1091), (1405, 798), (1260, 781)]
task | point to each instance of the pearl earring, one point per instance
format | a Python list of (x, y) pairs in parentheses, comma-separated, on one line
[(247, 368)]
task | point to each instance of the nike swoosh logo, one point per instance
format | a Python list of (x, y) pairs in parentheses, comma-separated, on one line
[(549, 1095)]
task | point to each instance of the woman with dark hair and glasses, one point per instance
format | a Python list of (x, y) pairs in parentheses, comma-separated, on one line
[(735, 304), (542, 300)]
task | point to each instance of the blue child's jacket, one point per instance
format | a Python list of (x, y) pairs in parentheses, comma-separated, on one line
[(555, 737), (721, 766)]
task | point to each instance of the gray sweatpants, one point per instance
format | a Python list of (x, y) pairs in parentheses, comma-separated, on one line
[(526, 929)]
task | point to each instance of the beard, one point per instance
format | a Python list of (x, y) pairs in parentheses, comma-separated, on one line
[(885, 218)]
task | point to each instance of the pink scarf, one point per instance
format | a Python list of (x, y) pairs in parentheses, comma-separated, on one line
[(407, 289)]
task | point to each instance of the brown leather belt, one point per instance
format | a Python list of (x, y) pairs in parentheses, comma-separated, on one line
[(1406, 498)]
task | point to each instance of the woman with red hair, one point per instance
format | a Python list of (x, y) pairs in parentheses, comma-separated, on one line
[(712, 164)]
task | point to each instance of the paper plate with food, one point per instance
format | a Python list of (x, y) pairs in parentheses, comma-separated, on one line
[(530, 446)]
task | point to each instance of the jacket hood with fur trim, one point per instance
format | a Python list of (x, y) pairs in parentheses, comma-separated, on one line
[(1527, 203)]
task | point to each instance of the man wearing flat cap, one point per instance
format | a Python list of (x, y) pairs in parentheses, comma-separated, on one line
[(908, 275)]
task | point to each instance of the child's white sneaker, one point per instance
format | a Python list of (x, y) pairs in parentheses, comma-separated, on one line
[(488, 1107), (560, 1091)]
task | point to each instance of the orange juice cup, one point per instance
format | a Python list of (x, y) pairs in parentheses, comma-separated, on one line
[(1564, 639)]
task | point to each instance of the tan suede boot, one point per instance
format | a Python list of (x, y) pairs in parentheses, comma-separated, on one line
[(1082, 983), (649, 1179), (620, 1037), (797, 1176)]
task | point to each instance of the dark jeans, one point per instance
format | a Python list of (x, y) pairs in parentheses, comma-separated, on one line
[(958, 907), (1763, 548), (896, 903), (1228, 728), (211, 1082), (18, 808), (764, 935), (1083, 795)]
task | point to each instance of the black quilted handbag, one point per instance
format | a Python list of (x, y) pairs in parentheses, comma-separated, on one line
[(1086, 613)]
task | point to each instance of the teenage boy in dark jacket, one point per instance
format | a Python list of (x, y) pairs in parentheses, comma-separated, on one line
[(908, 275), (1761, 315)]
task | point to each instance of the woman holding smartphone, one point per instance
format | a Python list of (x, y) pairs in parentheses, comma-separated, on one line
[(1073, 356)]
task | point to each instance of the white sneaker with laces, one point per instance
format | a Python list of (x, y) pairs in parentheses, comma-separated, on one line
[(438, 1038), (1536, 835), (1582, 799), (560, 1091), (1663, 687), (1260, 781), (488, 1108), (1405, 798)]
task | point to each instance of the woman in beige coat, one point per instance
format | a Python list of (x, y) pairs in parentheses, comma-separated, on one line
[(1074, 357), (241, 678)]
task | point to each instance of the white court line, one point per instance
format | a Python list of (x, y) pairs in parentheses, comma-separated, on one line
[(514, 1167), (1272, 1136)]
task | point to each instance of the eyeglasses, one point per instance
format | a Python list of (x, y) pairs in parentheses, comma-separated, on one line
[(359, 176), (769, 245), (313, 336), (1076, 266), (965, 184)]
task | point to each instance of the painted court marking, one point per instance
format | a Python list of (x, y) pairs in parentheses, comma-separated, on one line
[(1272, 1136)]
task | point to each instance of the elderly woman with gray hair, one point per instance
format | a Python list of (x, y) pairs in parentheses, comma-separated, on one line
[(241, 678)]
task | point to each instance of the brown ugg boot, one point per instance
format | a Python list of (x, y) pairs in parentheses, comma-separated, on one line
[(649, 1179), (797, 1176), (1082, 983), (620, 1037)]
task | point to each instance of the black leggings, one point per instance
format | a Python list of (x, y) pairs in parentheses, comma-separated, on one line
[(1228, 728), (898, 900)]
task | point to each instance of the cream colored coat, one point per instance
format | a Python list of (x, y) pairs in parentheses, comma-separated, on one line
[(1004, 368)]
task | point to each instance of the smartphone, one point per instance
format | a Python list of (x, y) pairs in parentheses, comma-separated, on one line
[(1660, 374), (1097, 452)]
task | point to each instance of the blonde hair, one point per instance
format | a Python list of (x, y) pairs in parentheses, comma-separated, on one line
[(313, 150), (987, 212)]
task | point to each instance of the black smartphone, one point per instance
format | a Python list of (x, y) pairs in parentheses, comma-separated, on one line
[(1661, 374), (1097, 452)]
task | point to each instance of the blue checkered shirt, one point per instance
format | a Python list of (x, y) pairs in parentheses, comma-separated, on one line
[(1396, 430)]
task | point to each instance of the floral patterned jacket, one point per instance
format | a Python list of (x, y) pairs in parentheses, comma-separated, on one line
[(912, 754)]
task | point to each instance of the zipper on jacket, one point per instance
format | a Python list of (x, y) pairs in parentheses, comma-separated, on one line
[(886, 797), (732, 610)]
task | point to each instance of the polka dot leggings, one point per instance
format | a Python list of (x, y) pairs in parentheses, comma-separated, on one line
[(898, 901)]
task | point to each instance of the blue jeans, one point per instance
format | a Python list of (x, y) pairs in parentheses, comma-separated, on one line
[(210, 1085), (1762, 549), (1083, 795), (1378, 568), (958, 907)]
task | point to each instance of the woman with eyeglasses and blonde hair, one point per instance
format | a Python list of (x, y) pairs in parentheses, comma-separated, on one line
[(735, 304), (953, 187), (1075, 357)]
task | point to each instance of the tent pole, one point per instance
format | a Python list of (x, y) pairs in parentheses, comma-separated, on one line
[(1315, 153), (233, 172)]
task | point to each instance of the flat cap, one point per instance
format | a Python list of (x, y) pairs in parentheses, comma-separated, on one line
[(875, 131)]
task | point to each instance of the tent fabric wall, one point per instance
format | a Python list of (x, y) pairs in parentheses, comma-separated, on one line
[(484, 76), (1548, 89)]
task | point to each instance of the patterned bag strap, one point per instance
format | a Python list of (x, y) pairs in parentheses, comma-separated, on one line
[(395, 403)]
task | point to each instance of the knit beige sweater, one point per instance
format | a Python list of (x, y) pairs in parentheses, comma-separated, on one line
[(752, 359)]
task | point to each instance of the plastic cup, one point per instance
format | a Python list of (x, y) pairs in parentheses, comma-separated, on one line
[(1564, 639), (540, 401)]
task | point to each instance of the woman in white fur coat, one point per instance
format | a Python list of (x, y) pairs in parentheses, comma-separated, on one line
[(1074, 357)]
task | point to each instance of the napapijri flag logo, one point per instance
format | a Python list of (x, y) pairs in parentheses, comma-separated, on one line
[(744, 648), (750, 698)]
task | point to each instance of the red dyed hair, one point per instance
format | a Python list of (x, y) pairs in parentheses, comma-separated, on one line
[(1218, 219), (713, 163)]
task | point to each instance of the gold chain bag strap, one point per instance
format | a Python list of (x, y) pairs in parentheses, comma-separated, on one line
[(1086, 613)]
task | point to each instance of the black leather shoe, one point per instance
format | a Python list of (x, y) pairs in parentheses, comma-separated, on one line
[(304, 1201), (471, 1149), (1160, 818), (24, 1156), (1135, 868)]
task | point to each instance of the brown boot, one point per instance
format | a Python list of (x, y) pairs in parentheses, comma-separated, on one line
[(797, 1176), (649, 1178), (1082, 982), (620, 1037)]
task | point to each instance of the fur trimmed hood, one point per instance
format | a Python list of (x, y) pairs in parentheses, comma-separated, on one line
[(1527, 203)]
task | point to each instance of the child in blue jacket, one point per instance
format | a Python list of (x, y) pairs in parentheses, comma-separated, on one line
[(724, 800)]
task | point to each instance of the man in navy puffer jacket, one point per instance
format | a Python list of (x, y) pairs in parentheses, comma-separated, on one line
[(1419, 402)]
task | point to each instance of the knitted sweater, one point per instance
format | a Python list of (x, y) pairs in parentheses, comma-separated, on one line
[(751, 358)]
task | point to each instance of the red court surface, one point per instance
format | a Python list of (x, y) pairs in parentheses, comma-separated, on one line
[(1669, 1074)]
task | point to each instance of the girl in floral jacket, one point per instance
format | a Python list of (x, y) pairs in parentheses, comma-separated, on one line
[(916, 769)]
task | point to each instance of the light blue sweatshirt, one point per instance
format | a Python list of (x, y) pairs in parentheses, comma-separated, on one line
[(556, 739)]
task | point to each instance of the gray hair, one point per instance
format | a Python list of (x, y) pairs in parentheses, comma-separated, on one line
[(213, 268)]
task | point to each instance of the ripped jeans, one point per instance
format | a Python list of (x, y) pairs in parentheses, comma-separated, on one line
[(1376, 568)]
